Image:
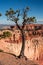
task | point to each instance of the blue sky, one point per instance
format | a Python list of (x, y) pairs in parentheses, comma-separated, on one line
[(36, 8)]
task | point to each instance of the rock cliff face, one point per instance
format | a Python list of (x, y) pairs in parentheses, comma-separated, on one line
[(33, 34), (34, 48), (12, 48)]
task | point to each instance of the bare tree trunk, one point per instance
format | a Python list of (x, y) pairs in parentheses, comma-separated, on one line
[(23, 44)]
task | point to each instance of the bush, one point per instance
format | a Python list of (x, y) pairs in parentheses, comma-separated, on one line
[(2, 36), (7, 34)]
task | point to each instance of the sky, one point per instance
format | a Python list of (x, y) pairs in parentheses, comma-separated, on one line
[(36, 9)]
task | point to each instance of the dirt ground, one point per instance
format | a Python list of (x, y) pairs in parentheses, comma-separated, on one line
[(7, 59)]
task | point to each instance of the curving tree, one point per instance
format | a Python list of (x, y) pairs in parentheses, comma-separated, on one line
[(15, 16)]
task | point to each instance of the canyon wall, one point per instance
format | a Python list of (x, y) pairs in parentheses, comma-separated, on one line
[(33, 35)]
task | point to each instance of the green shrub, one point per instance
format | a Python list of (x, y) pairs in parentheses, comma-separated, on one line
[(7, 34), (2, 36)]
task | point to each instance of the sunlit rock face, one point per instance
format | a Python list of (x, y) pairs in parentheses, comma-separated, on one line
[(12, 48), (12, 44), (29, 50), (33, 35), (33, 48)]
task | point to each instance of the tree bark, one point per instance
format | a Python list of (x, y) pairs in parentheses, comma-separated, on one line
[(23, 41), (23, 44)]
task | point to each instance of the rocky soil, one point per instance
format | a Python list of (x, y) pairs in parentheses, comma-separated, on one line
[(7, 59)]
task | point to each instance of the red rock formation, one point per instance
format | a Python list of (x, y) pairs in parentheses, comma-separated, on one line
[(31, 32)]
